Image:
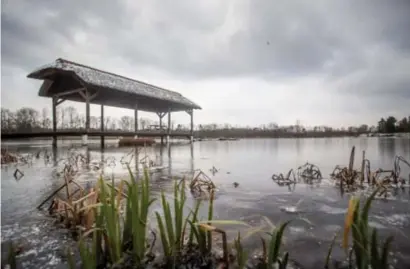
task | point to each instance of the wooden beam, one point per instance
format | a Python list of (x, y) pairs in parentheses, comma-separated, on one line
[(83, 94), (45, 87), (79, 90), (60, 101), (161, 114), (94, 95)]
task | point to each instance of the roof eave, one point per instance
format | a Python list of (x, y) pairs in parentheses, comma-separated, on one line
[(40, 73), (34, 74)]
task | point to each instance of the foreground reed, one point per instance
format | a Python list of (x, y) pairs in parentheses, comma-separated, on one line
[(115, 239), (118, 233), (183, 235), (365, 250)]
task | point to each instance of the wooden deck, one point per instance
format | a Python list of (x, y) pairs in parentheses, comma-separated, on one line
[(50, 134)]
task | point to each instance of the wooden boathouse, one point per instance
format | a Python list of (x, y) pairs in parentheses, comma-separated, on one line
[(66, 80)]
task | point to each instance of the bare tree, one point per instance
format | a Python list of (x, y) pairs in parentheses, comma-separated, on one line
[(93, 122), (113, 125), (45, 120), (143, 123), (72, 113), (7, 119), (107, 121), (126, 122), (26, 119), (58, 117)]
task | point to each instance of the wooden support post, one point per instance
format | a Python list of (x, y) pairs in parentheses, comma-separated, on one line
[(136, 120), (169, 162), (54, 112), (87, 117), (87, 112), (102, 126), (169, 126), (160, 115), (192, 157), (192, 125)]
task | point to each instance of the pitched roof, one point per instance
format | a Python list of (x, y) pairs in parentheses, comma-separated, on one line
[(103, 79)]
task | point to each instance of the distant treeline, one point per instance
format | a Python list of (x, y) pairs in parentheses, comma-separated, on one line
[(261, 133), (28, 120)]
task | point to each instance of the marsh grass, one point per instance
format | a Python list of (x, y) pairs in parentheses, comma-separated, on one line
[(365, 252), (115, 234), (11, 257), (172, 228), (241, 253), (117, 239), (271, 253)]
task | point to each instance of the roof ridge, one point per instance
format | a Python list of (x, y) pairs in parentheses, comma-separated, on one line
[(113, 74)]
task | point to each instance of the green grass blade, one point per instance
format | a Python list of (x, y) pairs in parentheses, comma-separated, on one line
[(70, 259), (275, 243), (284, 262), (194, 234), (11, 259), (366, 208), (374, 260), (329, 252), (127, 229), (226, 222), (168, 222), (350, 259), (163, 235), (194, 220), (131, 174), (360, 251), (385, 253), (177, 217), (210, 217)]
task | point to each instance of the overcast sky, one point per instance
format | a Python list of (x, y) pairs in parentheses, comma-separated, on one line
[(245, 62)]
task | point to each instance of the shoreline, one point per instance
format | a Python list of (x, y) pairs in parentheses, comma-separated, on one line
[(219, 136)]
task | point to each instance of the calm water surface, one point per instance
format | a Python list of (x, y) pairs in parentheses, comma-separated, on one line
[(320, 209)]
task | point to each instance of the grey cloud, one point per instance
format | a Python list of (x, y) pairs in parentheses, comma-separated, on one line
[(34, 31), (286, 38), (205, 40)]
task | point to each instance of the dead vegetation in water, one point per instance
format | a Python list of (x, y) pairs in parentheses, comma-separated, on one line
[(201, 184), (308, 173), (74, 209), (122, 240), (72, 204), (349, 179), (19, 160), (80, 210), (8, 157)]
